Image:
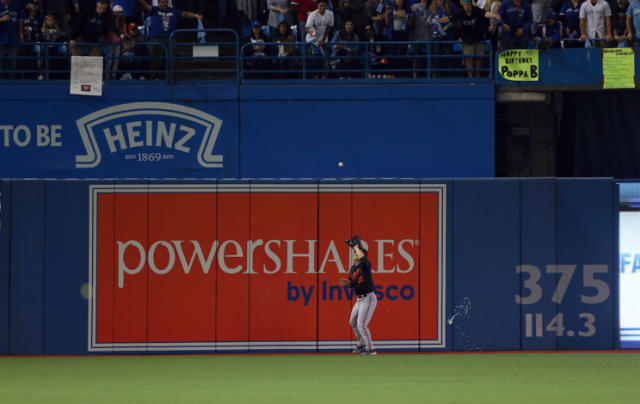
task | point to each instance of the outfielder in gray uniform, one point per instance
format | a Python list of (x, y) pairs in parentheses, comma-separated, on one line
[(361, 280)]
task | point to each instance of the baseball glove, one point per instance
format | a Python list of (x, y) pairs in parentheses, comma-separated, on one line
[(544, 44), (128, 42)]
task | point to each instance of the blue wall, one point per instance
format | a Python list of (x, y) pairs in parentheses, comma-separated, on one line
[(248, 132), (539, 239)]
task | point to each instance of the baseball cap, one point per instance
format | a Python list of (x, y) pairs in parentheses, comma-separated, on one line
[(117, 8), (256, 24), (467, 1), (101, 1), (133, 25), (552, 14)]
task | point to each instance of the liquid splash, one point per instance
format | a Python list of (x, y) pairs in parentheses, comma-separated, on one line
[(461, 310)]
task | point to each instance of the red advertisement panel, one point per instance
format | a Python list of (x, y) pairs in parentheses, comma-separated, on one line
[(389, 224), (333, 263), (182, 269), (131, 269), (106, 256), (429, 293), (233, 288), (283, 291)]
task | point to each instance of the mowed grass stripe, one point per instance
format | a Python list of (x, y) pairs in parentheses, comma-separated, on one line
[(500, 378)]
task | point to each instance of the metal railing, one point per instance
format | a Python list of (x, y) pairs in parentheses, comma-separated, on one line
[(51, 61), (363, 64)]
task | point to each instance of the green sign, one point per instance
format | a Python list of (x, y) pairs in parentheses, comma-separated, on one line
[(519, 65), (618, 68)]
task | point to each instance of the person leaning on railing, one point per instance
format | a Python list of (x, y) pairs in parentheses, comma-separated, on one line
[(345, 45), (471, 31), (516, 23), (285, 52), (92, 25), (164, 21), (440, 9), (318, 27), (595, 22)]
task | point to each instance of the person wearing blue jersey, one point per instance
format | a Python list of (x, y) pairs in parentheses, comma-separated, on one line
[(9, 36), (516, 22), (570, 13), (551, 30), (30, 22), (164, 20), (633, 23), (92, 26), (440, 9)]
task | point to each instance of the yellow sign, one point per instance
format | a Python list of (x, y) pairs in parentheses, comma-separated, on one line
[(618, 68), (519, 65)]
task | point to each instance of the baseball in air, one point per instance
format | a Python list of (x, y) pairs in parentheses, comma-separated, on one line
[(340, 164)]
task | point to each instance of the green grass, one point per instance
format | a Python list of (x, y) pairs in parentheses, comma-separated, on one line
[(327, 379)]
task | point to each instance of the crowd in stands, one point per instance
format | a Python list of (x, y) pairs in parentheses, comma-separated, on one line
[(280, 31)]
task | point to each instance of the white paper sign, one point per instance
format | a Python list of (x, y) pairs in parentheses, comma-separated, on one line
[(86, 75)]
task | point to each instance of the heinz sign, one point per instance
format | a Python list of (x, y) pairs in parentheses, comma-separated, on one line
[(240, 267)]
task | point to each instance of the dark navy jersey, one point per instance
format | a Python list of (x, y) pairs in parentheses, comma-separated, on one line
[(360, 277), (163, 23), (31, 26), (9, 30)]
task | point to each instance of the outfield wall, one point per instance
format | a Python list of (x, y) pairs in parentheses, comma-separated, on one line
[(178, 132), (104, 267)]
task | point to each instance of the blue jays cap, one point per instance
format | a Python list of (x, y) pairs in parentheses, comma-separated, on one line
[(255, 24), (552, 14)]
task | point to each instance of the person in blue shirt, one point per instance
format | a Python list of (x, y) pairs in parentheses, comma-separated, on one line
[(516, 22), (438, 10), (164, 20), (552, 29), (570, 13), (633, 23), (9, 36), (91, 27), (30, 22)]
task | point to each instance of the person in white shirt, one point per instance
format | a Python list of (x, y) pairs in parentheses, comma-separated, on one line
[(595, 21), (318, 28)]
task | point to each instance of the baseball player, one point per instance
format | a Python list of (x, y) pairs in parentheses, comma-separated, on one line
[(360, 279)]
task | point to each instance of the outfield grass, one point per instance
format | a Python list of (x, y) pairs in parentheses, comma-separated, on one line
[(301, 379)]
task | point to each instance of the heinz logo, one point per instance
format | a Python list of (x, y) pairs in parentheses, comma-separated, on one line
[(149, 127)]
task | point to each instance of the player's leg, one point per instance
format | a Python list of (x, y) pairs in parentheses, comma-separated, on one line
[(367, 307), (353, 321)]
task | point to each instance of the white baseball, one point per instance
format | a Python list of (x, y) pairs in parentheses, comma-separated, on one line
[(340, 164)]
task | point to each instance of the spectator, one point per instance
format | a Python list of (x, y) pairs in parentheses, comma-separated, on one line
[(9, 36), (376, 52), (91, 26), (595, 22), (341, 14), (516, 22), (128, 10), (164, 20), (421, 33), (537, 13), (136, 57), (304, 9), (471, 31), (377, 17), (552, 29), (60, 10), (399, 20), (440, 9), (284, 35), (114, 51), (30, 26), (256, 36), (357, 14), (280, 10), (51, 34), (570, 11), (318, 27), (345, 46), (633, 23), (619, 19), (492, 6)]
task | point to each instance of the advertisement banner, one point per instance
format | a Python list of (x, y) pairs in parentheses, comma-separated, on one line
[(238, 267), (106, 139)]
